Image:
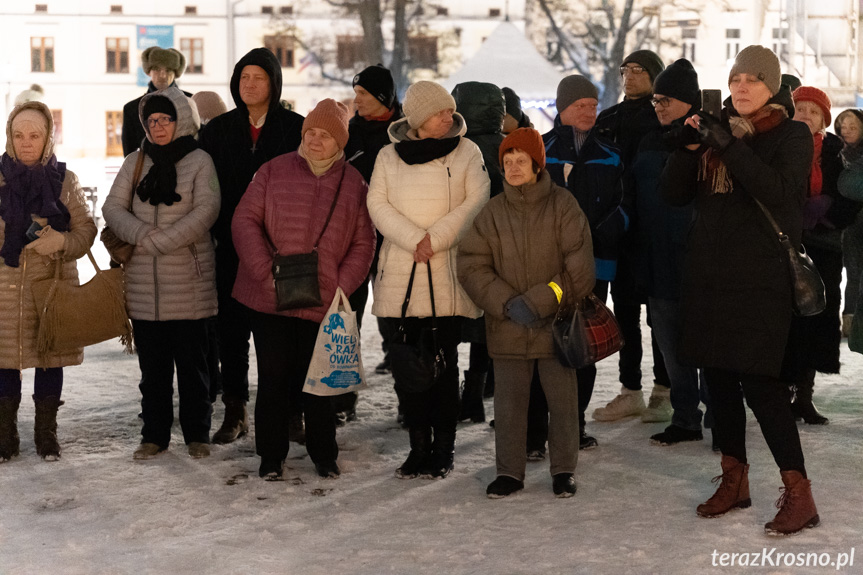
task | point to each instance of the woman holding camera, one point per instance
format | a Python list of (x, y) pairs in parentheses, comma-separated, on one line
[(736, 299)]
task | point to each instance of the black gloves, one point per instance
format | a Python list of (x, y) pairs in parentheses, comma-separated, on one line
[(713, 133), (680, 136), (518, 310)]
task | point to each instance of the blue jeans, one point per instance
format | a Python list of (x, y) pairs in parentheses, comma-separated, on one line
[(685, 390)]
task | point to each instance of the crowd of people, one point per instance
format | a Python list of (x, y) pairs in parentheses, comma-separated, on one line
[(469, 226)]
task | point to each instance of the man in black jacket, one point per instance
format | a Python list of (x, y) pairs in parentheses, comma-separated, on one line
[(240, 141), (626, 124), (163, 67), (377, 108)]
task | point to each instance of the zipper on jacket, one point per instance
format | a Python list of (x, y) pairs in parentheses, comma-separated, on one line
[(194, 250), (156, 270)]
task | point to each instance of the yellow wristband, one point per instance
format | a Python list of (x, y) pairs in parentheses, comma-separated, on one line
[(557, 291)]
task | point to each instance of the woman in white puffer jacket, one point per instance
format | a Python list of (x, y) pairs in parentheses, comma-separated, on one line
[(425, 191)]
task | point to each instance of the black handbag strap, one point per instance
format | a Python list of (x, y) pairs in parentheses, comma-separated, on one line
[(770, 218), (332, 207), (408, 297)]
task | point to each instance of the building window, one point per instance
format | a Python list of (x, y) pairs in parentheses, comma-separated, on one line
[(349, 51), (116, 9), (117, 54), (689, 36), (282, 47), (441, 11), (193, 50), (57, 115), (779, 45), (422, 51), (42, 54), (266, 9), (494, 12), (41, 7), (286, 10), (113, 130), (191, 10), (732, 43)]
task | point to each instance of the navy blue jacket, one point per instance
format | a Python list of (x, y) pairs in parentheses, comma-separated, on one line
[(662, 228), (594, 177)]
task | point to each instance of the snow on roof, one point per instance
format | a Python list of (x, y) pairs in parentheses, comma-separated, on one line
[(508, 59)]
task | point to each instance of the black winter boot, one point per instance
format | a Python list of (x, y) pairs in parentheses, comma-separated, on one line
[(443, 454), (471, 398), (9, 442), (802, 406), (418, 458), (45, 429)]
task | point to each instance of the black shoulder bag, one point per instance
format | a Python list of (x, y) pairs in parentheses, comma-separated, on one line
[(296, 275), (417, 365), (809, 295)]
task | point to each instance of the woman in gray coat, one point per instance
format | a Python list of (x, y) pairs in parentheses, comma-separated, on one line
[(170, 280)]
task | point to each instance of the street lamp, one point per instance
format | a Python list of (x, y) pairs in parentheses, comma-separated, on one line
[(655, 11)]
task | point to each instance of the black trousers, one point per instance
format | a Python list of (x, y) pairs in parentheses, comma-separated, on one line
[(284, 347), (161, 346), (438, 406), (234, 331), (770, 401)]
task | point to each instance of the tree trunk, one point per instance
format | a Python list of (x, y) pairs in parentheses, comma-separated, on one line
[(373, 39), (400, 37)]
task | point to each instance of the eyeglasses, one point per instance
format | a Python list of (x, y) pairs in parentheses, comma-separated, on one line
[(661, 102), (163, 121), (632, 70)]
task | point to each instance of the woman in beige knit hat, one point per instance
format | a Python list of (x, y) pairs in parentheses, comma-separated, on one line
[(425, 191), (285, 211), (736, 295)]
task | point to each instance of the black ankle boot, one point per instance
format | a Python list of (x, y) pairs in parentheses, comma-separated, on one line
[(471, 398), (802, 406), (418, 458), (443, 455)]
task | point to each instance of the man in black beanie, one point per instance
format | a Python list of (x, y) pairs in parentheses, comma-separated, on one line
[(241, 141), (515, 117), (661, 237), (626, 124), (377, 108)]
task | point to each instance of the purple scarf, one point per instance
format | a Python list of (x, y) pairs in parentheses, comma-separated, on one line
[(29, 190)]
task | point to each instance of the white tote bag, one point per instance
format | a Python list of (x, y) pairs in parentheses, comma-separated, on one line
[(337, 364)]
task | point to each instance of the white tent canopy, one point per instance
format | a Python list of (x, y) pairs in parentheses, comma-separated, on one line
[(508, 59)]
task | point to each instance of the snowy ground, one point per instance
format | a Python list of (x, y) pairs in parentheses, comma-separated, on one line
[(98, 512)]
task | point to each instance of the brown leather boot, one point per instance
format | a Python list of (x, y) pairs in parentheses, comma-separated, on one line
[(9, 442), (45, 428), (733, 491), (796, 507), (236, 422)]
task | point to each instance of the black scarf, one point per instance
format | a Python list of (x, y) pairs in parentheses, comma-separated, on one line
[(30, 190), (421, 151), (159, 186)]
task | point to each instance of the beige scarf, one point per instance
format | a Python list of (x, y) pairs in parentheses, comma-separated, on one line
[(319, 167)]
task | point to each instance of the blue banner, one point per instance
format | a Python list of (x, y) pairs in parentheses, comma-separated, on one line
[(161, 36)]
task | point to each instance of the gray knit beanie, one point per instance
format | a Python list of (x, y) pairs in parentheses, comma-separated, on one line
[(423, 100), (760, 62), (574, 88)]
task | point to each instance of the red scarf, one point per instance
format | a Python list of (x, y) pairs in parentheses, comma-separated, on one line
[(815, 182), (382, 118)]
